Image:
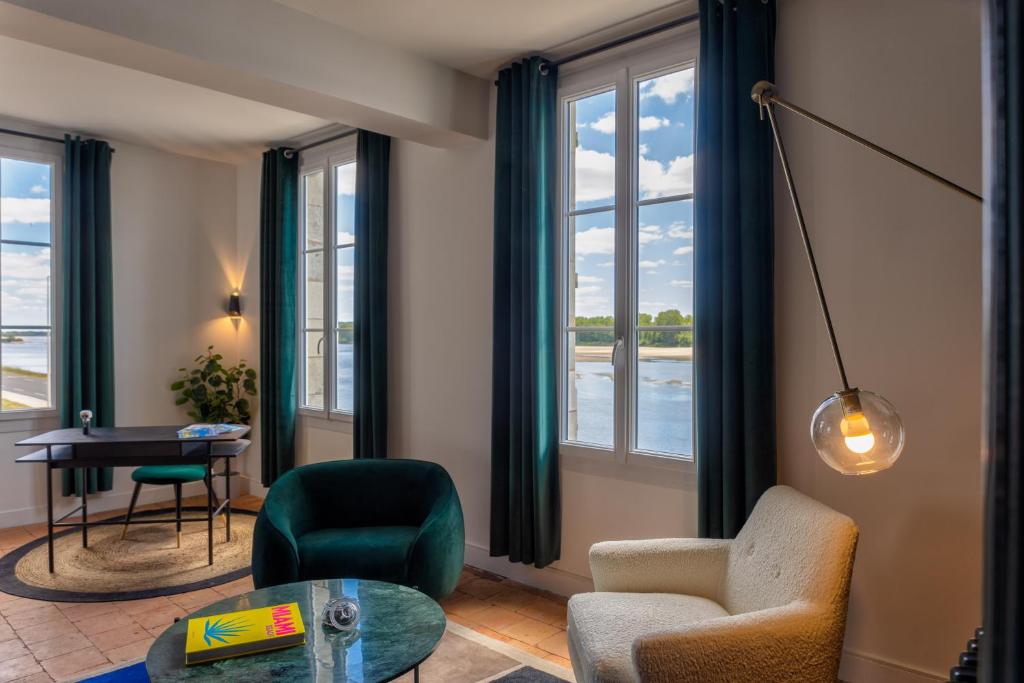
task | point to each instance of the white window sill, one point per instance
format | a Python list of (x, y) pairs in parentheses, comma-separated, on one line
[(674, 472), (321, 419), (28, 420)]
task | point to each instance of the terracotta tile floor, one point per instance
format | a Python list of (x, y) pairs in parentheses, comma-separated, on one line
[(42, 641)]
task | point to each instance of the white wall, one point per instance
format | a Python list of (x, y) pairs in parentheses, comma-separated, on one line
[(901, 263), (174, 231)]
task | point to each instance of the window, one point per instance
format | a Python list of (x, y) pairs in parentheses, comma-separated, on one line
[(327, 187), (627, 138), (28, 214)]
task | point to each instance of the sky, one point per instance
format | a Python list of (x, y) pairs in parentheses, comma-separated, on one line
[(665, 164), (24, 215)]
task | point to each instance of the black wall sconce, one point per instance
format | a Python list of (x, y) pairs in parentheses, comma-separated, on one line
[(235, 305)]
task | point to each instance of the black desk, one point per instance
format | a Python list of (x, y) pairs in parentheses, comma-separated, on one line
[(132, 447)]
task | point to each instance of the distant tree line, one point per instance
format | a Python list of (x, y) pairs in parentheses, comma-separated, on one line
[(647, 337)]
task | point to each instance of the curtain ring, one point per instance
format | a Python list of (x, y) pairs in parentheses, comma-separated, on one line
[(289, 153), (543, 68)]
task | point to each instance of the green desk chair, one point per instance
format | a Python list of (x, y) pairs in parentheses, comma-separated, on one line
[(178, 476), (390, 520), (162, 475)]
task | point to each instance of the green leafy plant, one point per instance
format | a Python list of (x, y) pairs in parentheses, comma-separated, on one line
[(216, 393)]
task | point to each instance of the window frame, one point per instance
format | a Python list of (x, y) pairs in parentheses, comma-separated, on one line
[(620, 72), (23, 149), (324, 158)]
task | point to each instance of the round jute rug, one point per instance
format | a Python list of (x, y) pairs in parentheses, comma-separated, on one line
[(144, 565)]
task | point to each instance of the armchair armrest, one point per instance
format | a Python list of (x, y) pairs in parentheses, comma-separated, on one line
[(437, 554), (691, 566), (275, 549), (795, 643)]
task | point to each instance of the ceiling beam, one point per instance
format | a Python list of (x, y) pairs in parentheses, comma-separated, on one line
[(266, 52)]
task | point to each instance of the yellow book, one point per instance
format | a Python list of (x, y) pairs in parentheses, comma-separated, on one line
[(234, 634)]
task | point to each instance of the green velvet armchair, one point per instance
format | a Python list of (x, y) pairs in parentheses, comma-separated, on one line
[(389, 520)]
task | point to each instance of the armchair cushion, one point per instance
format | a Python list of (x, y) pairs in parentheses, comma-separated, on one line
[(603, 627), (367, 552)]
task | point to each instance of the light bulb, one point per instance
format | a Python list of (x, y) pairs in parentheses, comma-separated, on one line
[(857, 432)]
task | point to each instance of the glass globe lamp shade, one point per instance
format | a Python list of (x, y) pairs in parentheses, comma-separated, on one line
[(857, 432)]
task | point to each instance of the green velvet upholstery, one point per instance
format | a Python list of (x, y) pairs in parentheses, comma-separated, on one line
[(388, 520), (169, 474)]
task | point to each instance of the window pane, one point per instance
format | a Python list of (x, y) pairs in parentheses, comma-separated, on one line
[(25, 200), (345, 203), (313, 215), (590, 388), (25, 355), (665, 260), (592, 151), (25, 283), (592, 261), (315, 290), (665, 134), (346, 307), (314, 369), (664, 392)]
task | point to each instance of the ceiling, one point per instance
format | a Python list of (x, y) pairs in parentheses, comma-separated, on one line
[(76, 94), (69, 92), (477, 36)]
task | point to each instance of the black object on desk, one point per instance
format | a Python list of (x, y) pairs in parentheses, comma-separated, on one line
[(132, 447)]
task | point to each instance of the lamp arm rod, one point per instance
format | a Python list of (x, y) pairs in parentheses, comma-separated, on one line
[(765, 92), (767, 105)]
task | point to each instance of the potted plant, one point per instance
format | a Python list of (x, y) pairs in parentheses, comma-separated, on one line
[(216, 393)]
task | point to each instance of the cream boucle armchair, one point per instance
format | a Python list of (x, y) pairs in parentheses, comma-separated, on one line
[(768, 606)]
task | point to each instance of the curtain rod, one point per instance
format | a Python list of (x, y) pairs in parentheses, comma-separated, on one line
[(612, 44), (290, 152), (37, 136)]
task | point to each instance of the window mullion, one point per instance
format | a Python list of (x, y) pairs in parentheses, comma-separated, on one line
[(330, 324), (623, 259)]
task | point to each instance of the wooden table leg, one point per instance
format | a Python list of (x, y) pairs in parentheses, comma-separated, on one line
[(227, 495), (49, 512), (85, 507), (209, 510)]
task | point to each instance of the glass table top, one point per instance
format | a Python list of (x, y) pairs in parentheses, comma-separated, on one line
[(398, 628)]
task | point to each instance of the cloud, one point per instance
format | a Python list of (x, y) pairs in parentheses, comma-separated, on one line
[(37, 189), (19, 265), (596, 241), (649, 233), (680, 251), (651, 264), (669, 87), (587, 279), (643, 149), (653, 123), (346, 238), (657, 180), (681, 283), (595, 175), (605, 124), (680, 231), (347, 179), (607, 264), (24, 210)]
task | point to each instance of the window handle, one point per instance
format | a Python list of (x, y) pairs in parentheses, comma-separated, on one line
[(616, 347)]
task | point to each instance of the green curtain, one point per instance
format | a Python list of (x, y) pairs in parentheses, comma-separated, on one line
[(733, 267), (525, 503), (87, 313), (370, 350), (278, 265)]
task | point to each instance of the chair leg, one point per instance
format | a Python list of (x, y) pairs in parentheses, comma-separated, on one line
[(177, 511), (131, 507)]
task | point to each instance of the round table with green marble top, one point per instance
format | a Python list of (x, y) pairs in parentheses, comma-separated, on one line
[(398, 628)]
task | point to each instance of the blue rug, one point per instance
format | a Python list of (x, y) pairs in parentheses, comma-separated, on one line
[(136, 673)]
